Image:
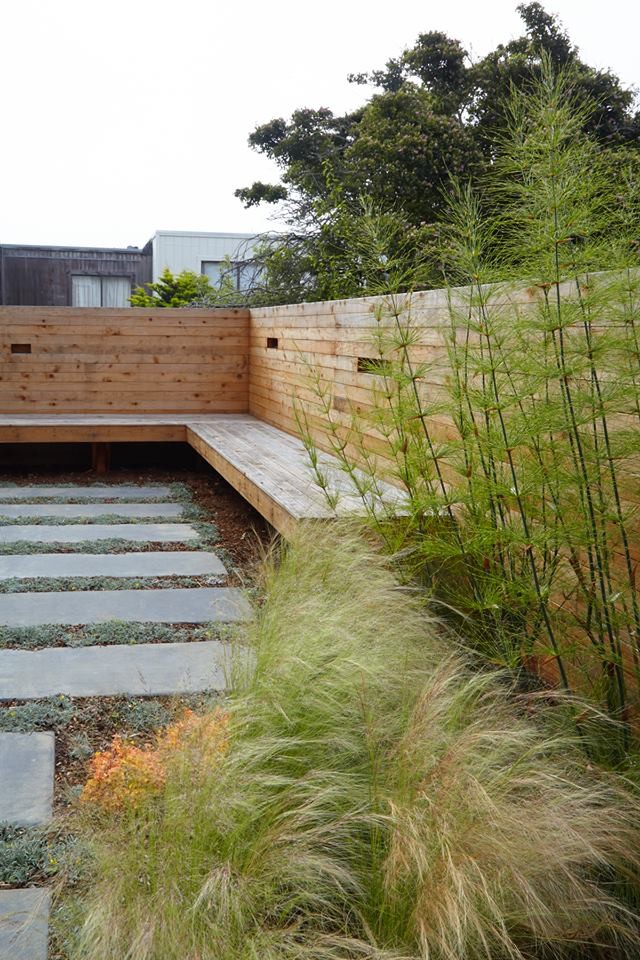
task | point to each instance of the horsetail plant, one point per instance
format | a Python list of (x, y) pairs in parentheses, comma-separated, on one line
[(532, 484)]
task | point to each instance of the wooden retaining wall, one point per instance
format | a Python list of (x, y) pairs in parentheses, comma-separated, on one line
[(290, 345), (335, 339), (76, 360)]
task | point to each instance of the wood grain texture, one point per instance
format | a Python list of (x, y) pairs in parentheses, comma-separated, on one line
[(119, 361), (267, 466)]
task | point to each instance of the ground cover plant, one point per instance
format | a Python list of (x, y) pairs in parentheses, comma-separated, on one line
[(48, 584), (522, 509), (30, 855), (208, 537), (109, 633), (377, 796)]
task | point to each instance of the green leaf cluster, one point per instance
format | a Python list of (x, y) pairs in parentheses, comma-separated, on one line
[(435, 115), (185, 289)]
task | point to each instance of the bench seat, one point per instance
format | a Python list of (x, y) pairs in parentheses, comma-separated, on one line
[(268, 467)]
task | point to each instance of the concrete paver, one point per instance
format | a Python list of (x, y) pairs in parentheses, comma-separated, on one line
[(89, 511), (24, 920), (190, 605), (26, 778), (177, 563), (98, 492), (80, 532), (145, 669)]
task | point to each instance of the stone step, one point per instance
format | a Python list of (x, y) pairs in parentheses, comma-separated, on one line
[(196, 605), (146, 669), (177, 563), (24, 922), (78, 533), (26, 778), (98, 492), (88, 511)]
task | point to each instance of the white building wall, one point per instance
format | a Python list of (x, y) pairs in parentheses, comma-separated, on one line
[(181, 250)]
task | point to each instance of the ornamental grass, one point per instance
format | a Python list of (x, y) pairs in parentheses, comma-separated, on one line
[(378, 796)]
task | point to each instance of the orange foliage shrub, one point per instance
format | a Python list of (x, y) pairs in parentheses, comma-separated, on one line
[(125, 774), (122, 775)]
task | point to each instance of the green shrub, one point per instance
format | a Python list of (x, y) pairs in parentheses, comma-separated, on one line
[(381, 798)]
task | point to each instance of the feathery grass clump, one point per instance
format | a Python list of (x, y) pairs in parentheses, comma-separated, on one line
[(378, 799)]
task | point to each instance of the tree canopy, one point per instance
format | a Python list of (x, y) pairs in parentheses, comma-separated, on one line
[(436, 118), (435, 113)]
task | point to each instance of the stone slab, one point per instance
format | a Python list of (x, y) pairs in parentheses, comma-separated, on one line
[(78, 533), (88, 511), (24, 922), (26, 778), (177, 563), (145, 669), (98, 492), (197, 605)]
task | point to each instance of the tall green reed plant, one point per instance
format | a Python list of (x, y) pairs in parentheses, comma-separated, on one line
[(523, 518)]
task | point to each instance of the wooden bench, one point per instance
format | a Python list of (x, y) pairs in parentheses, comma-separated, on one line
[(268, 467)]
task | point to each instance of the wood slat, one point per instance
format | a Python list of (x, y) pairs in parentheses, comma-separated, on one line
[(85, 360)]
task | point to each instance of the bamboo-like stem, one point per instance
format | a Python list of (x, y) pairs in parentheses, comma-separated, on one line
[(529, 549), (621, 526)]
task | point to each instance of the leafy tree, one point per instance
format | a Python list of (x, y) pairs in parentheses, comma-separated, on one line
[(437, 113), (406, 151), (188, 289), (436, 117), (172, 291)]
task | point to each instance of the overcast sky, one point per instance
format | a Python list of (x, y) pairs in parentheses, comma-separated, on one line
[(126, 117)]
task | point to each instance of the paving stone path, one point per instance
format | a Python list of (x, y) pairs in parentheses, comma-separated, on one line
[(197, 605), (98, 492), (82, 511), (174, 563), (27, 759), (79, 532)]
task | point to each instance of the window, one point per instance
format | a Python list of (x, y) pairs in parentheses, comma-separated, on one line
[(242, 275), (213, 270), (91, 291)]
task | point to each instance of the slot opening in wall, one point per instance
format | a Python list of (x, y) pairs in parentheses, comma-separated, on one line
[(272, 343), (374, 365), (20, 348)]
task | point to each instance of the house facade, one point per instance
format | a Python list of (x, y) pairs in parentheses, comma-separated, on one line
[(71, 276), (206, 253), (106, 276)]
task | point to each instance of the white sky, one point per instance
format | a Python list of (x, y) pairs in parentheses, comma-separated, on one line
[(124, 117)]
